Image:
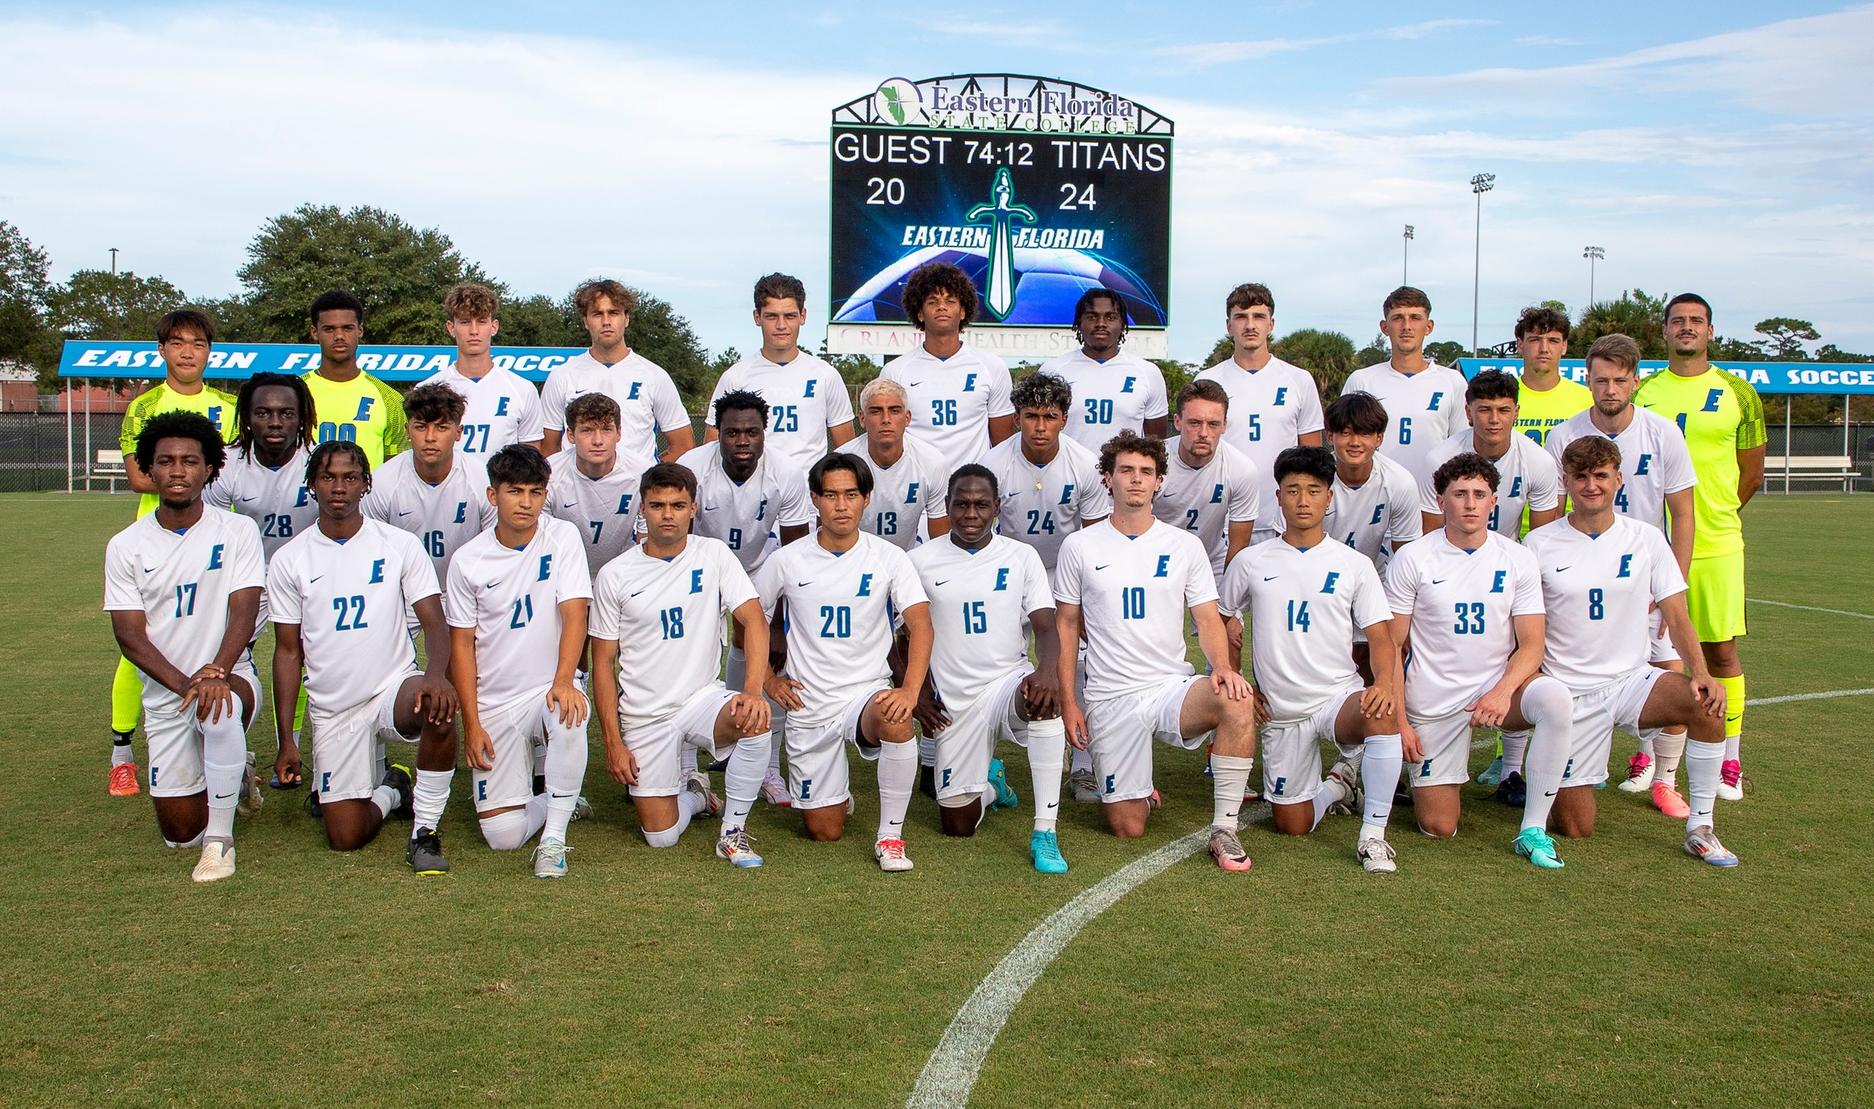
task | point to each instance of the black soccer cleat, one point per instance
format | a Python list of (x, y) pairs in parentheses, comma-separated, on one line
[(1512, 791)]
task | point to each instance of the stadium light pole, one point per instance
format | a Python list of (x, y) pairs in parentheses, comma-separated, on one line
[(1480, 184), (1405, 261), (1593, 254), (113, 261)]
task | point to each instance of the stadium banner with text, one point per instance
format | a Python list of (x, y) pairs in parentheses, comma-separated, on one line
[(1830, 378), (239, 361), (1039, 188)]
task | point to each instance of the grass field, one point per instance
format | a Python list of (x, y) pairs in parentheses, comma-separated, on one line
[(1634, 976)]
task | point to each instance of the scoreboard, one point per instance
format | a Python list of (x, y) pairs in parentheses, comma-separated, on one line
[(1038, 189)]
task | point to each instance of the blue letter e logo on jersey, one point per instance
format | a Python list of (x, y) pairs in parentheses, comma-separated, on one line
[(1333, 578), (214, 557), (1626, 566), (377, 571), (696, 581), (546, 567), (364, 409), (1164, 567), (1711, 400), (1002, 580), (865, 586), (969, 383), (1496, 583)]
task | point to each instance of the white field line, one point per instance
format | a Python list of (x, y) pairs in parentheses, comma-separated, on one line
[(1810, 608)]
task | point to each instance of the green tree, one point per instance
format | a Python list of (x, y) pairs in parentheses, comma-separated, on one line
[(95, 304), (1786, 337), (1328, 355), (25, 295), (540, 321), (1446, 352), (398, 271), (1636, 315), (234, 319), (1376, 351), (1224, 350), (1178, 375), (658, 333)]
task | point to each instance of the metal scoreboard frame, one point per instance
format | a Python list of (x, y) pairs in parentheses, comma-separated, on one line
[(1039, 188)]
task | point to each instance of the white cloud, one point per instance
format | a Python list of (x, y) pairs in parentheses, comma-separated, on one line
[(1204, 54)]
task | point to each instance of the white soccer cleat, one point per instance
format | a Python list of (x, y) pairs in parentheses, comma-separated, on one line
[(890, 855), (698, 783), (216, 863), (1376, 856), (1347, 775), (1084, 785), (1731, 781), (1639, 774), (774, 791), (251, 799), (550, 859)]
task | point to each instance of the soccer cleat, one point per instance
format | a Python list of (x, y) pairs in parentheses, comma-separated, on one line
[(397, 777), (1702, 843), (999, 779), (1227, 849), (251, 798), (774, 791), (124, 780), (1535, 845), (1376, 856), (1083, 784), (927, 781), (1639, 773), (1348, 776), (737, 846), (314, 807), (1491, 774), (550, 859), (425, 853), (1667, 800), (1154, 802), (698, 783), (1731, 781), (582, 808), (1512, 790), (217, 862), (1044, 850), (1251, 794), (890, 855)]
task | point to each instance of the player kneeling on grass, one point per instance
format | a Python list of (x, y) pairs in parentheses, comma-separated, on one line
[(338, 595), (1128, 581), (516, 601), (182, 585), (1305, 596), (834, 598), (656, 643), (1468, 600), (982, 587), (1602, 574)]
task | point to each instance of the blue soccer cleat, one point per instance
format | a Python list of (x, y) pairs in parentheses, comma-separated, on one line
[(1045, 849), (999, 779)]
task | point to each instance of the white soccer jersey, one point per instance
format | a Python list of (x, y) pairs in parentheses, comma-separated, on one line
[(1116, 395), (748, 517), (1302, 608), (1206, 501), (805, 398), (444, 516), (1653, 459), (503, 408), (276, 500), (980, 601), (913, 486), (604, 509), (1043, 505), (512, 599), (1133, 593), (666, 617), (840, 613), (1463, 605), (1598, 591), (953, 399), (1423, 409), (1526, 478), (1376, 516), (647, 399), (350, 600), (1270, 410), (181, 582)]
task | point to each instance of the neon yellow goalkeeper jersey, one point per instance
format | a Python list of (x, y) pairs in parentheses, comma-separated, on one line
[(1720, 414)]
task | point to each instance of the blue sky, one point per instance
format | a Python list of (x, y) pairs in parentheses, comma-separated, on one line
[(682, 147)]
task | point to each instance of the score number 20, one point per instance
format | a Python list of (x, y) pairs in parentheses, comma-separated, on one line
[(890, 191)]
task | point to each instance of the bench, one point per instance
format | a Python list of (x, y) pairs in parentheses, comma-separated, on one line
[(1829, 468), (108, 466)]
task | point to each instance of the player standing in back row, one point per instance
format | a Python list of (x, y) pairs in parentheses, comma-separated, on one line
[(503, 407), (647, 398), (1113, 390), (354, 407), (1425, 401), (959, 395), (809, 409), (1722, 419), (1049, 484), (1545, 396)]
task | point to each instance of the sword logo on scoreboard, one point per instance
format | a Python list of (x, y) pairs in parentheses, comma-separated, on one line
[(999, 280)]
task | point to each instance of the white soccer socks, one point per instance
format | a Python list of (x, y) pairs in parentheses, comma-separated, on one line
[(224, 764), (1704, 762), (897, 776), (1546, 704), (1047, 750), (430, 796), (1379, 776), (1229, 779), (741, 783), (565, 772), (1667, 749), (1515, 747)]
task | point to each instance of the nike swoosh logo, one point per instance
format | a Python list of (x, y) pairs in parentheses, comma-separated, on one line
[(405, 511), (1559, 569), (562, 796), (570, 504), (492, 584), (913, 384), (314, 578), (1272, 577), (223, 796), (1054, 804), (800, 584), (935, 584), (151, 569), (248, 500), (1439, 581), (1550, 793), (640, 591), (1102, 566)]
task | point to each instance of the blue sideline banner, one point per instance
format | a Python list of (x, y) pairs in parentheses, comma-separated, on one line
[(239, 361), (1772, 378)]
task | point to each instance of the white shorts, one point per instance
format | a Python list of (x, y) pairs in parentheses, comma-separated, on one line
[(1291, 753), (1659, 646), (817, 775), (966, 746), (345, 743), (1597, 713), (658, 744), (1447, 743), (175, 738), (1123, 730), (514, 729)]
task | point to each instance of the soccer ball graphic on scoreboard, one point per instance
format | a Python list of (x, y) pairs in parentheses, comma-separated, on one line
[(1048, 281)]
